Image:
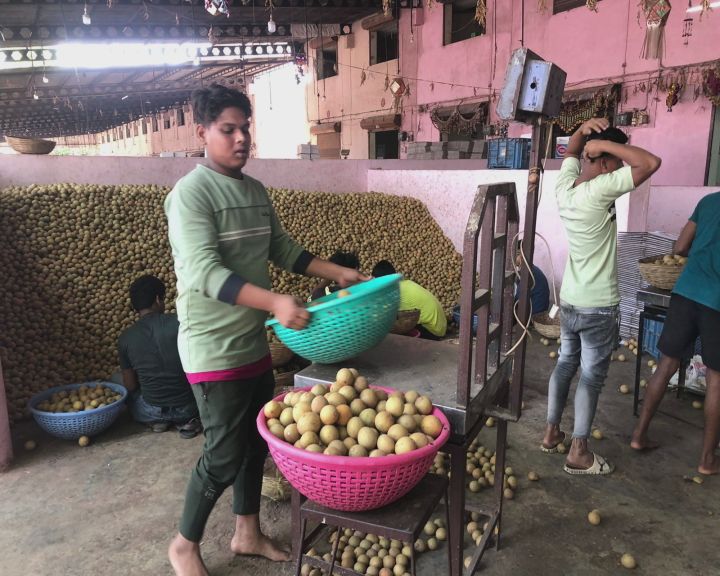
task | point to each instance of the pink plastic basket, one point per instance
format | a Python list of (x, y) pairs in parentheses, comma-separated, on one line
[(347, 483)]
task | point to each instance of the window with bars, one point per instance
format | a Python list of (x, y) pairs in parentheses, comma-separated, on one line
[(384, 43), (459, 21), (180, 117), (326, 59)]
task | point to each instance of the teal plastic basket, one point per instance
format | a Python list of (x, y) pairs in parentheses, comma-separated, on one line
[(343, 327)]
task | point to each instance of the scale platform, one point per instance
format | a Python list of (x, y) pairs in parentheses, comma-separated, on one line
[(654, 296), (429, 367)]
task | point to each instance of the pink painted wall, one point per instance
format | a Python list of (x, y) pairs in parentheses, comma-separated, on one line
[(591, 47), (670, 207)]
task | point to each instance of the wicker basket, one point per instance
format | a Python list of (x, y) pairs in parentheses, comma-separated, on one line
[(30, 145), (280, 354), (546, 326), (406, 320), (659, 275)]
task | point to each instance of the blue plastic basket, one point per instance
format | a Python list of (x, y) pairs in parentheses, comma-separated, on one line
[(72, 425), (651, 335), (341, 328)]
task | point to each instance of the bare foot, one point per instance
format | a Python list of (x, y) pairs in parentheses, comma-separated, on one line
[(185, 557), (579, 456), (259, 546), (710, 468), (643, 443), (553, 437)]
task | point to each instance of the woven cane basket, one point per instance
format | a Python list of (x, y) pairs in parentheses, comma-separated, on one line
[(406, 320), (546, 326), (659, 275), (280, 354), (30, 145)]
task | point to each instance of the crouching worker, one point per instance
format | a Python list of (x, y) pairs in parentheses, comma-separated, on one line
[(160, 394), (433, 322)]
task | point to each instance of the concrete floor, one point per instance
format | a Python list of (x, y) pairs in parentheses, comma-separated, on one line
[(111, 508)]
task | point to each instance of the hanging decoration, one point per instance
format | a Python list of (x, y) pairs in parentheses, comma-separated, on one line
[(578, 108), (542, 6), (217, 7), (363, 77), (387, 7), (656, 15), (673, 95), (456, 121), (687, 29), (481, 12), (592, 5), (706, 7), (711, 84)]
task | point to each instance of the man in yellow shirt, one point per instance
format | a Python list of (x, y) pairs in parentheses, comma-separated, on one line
[(589, 313), (433, 322)]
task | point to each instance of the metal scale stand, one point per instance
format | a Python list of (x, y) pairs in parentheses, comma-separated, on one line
[(488, 382)]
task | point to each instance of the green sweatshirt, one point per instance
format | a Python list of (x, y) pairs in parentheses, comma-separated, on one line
[(222, 233)]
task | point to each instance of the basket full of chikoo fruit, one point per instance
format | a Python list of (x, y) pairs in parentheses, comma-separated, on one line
[(75, 410), (353, 446), (662, 271)]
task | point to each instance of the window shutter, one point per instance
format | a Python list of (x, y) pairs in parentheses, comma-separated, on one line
[(565, 5)]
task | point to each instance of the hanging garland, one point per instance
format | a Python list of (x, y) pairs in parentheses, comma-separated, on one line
[(542, 6), (575, 112), (592, 5), (711, 84), (481, 12), (457, 122), (387, 7)]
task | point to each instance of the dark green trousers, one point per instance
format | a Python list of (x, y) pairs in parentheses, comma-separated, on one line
[(233, 454)]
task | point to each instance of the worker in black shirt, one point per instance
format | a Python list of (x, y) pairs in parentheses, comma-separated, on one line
[(160, 393)]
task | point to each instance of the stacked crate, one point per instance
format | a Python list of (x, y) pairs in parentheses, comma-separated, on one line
[(454, 150)]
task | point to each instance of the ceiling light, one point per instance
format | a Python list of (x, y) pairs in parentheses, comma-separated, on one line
[(45, 79), (272, 27), (124, 97), (699, 7), (86, 17), (35, 95)]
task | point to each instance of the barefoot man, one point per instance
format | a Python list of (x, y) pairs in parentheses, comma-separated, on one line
[(694, 311)]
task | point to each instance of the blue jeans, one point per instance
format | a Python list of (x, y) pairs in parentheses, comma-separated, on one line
[(148, 414), (588, 337)]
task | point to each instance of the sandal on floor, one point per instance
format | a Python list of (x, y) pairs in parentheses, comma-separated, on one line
[(190, 429), (600, 467), (553, 449)]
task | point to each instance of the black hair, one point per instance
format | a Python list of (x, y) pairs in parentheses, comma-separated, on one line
[(346, 259), (383, 268), (145, 290), (208, 103), (612, 134)]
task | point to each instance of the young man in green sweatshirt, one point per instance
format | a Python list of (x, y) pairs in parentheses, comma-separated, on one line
[(223, 230)]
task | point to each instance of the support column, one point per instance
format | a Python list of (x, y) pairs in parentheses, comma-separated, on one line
[(6, 452)]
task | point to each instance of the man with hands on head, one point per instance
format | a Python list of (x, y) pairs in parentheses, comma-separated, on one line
[(589, 297)]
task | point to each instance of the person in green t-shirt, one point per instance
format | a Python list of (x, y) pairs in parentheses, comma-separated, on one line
[(223, 230), (432, 324), (160, 393), (589, 297), (694, 311)]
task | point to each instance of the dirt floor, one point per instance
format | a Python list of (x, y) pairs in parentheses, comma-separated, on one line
[(111, 508)]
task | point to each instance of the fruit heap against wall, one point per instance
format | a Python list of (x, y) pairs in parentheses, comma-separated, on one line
[(70, 253)]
